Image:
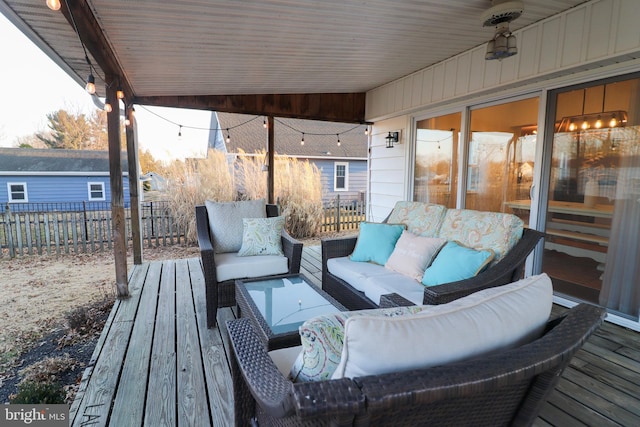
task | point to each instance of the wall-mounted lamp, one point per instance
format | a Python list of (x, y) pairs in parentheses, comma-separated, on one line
[(392, 138)]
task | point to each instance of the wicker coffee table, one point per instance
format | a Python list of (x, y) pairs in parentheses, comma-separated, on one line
[(278, 305)]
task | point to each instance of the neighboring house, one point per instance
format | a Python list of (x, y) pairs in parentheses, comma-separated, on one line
[(343, 166), (56, 176), (155, 182)]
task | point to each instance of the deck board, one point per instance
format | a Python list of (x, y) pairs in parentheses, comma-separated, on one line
[(156, 362)]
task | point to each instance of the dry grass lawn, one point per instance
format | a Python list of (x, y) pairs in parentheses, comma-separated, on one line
[(37, 291)]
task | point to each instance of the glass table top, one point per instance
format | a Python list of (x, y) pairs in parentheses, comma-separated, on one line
[(286, 303)]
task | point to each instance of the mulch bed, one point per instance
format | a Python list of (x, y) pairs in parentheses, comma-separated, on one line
[(68, 351)]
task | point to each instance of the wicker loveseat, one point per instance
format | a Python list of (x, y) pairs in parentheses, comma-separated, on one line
[(504, 388), (429, 220)]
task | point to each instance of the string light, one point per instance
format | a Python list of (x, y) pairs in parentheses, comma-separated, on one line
[(91, 84), (339, 143), (302, 140), (228, 136), (127, 122), (180, 131), (264, 123), (366, 130), (120, 93), (107, 106), (53, 4)]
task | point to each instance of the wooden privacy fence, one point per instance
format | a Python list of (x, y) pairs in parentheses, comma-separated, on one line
[(56, 228), (72, 228), (343, 215)]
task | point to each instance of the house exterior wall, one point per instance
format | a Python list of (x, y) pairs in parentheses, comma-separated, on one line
[(44, 188), (595, 40), (357, 179)]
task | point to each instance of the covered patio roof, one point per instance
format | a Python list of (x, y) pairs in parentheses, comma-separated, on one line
[(303, 59)]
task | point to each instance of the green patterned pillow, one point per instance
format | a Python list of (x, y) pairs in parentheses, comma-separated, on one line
[(322, 338), (262, 236)]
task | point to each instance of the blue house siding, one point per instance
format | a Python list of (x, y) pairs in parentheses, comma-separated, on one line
[(357, 179), (59, 189)]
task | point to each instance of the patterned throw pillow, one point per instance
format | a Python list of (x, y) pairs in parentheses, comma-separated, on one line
[(322, 339), (262, 236)]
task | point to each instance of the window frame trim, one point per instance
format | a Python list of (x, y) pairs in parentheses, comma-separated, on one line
[(346, 176), (93, 199), (24, 190)]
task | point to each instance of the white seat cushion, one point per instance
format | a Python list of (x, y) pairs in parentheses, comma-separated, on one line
[(375, 280), (484, 322), (231, 266)]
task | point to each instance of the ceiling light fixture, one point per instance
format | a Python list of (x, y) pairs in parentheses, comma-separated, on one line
[(504, 43)]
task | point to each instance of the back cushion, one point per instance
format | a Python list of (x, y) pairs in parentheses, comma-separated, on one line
[(482, 230), (225, 222), (422, 219), (488, 321)]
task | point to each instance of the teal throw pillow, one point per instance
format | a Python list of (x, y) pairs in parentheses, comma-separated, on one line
[(376, 242), (262, 236), (456, 262)]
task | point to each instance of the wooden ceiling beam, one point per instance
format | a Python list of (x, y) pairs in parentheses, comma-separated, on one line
[(332, 107), (94, 41)]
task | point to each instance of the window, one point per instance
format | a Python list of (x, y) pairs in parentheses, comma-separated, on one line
[(436, 160), (96, 190), (17, 192), (341, 176)]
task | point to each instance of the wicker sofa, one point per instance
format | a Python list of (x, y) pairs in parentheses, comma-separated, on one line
[(504, 388), (432, 221)]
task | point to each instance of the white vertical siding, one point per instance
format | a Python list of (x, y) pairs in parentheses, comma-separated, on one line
[(596, 33), (388, 169)]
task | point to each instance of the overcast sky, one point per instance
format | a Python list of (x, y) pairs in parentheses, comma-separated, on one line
[(32, 86)]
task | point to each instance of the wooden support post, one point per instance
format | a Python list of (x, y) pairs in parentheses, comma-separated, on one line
[(134, 185), (272, 166), (117, 192)]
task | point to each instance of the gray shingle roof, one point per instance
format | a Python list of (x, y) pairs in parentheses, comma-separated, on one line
[(320, 137), (55, 160)]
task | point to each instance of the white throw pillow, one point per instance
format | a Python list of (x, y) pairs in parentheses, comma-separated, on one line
[(413, 254), (487, 321), (225, 222)]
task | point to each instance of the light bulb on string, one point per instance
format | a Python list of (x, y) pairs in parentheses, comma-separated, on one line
[(180, 131), (302, 140), (572, 126), (228, 136), (366, 130), (120, 93), (613, 122), (91, 84), (264, 123), (53, 4), (339, 143), (127, 122), (107, 106)]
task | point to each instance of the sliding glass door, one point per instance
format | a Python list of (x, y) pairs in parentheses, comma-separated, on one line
[(501, 155), (436, 159), (592, 249)]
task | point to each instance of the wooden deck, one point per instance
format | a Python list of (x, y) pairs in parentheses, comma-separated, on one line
[(157, 364)]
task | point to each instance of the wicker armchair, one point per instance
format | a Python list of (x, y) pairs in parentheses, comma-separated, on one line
[(502, 389), (222, 294), (508, 270)]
